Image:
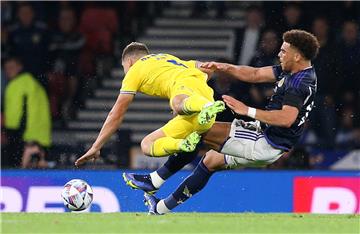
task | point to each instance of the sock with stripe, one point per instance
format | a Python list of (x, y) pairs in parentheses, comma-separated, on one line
[(194, 104), (194, 183), (165, 146), (175, 163)]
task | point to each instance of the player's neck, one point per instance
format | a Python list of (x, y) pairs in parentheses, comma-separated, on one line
[(301, 66)]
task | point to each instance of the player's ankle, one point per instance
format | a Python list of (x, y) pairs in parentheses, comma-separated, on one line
[(161, 208), (156, 180)]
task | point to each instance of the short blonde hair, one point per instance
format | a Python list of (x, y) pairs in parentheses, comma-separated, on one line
[(135, 48)]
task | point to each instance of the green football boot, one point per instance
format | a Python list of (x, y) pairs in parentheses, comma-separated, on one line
[(209, 112)]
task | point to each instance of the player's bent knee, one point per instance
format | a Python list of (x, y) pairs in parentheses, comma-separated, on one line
[(213, 160), (177, 103), (146, 146)]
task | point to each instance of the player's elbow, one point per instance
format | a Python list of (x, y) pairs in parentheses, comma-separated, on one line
[(287, 117), (286, 123)]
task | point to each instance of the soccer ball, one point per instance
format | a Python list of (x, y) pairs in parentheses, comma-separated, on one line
[(77, 195)]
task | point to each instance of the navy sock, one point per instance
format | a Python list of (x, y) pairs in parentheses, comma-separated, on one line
[(175, 163), (195, 182)]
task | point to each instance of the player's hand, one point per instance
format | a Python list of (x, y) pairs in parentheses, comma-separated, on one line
[(213, 66), (237, 106), (92, 153), (207, 71)]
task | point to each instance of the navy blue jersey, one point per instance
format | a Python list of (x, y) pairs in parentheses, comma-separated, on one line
[(296, 90)]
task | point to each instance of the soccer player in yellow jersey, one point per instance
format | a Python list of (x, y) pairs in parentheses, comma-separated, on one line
[(166, 76)]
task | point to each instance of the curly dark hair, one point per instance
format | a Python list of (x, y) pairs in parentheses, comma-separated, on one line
[(135, 48), (305, 42)]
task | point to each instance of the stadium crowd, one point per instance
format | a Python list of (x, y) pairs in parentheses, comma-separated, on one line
[(65, 48)]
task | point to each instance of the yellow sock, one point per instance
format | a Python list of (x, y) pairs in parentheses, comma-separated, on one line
[(194, 103), (165, 146)]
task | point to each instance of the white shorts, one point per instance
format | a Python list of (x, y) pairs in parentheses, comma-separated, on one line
[(247, 146)]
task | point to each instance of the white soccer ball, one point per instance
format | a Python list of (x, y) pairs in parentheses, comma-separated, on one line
[(77, 195)]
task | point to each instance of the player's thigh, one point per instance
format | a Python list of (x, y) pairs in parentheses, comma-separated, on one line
[(232, 162), (239, 152), (264, 152), (179, 127), (178, 92), (149, 139), (176, 102), (190, 86), (217, 135), (245, 152), (182, 125)]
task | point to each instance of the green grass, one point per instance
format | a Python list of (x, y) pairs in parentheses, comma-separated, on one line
[(177, 223)]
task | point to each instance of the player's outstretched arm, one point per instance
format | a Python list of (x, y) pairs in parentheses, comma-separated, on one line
[(243, 73), (111, 124), (282, 118)]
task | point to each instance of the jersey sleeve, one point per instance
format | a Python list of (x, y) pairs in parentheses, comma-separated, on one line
[(277, 70), (131, 83)]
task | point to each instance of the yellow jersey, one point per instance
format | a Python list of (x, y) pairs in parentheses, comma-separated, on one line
[(156, 74)]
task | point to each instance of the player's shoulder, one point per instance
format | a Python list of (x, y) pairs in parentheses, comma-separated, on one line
[(133, 71), (302, 78)]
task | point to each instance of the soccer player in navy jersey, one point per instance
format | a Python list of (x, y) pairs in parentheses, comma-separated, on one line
[(247, 144)]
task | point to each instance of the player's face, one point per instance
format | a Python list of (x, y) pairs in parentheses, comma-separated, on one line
[(287, 57)]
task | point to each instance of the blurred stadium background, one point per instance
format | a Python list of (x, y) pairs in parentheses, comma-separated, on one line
[(73, 50)]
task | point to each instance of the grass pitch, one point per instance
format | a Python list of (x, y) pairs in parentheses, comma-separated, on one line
[(177, 223)]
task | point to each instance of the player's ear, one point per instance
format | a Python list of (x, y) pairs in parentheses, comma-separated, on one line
[(132, 61), (297, 56)]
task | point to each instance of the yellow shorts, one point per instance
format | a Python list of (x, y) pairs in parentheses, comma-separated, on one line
[(182, 125), (191, 85)]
